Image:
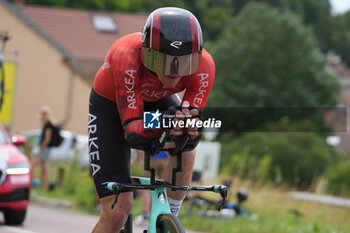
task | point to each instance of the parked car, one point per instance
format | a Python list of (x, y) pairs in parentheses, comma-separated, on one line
[(15, 178), (72, 144)]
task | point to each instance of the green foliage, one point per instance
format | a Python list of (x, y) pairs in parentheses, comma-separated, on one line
[(273, 214), (314, 13), (294, 158), (72, 177), (213, 20), (341, 37), (269, 59), (214, 15), (151, 5), (85, 196), (323, 27), (338, 177), (78, 184)]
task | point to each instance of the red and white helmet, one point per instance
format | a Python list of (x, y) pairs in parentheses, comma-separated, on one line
[(172, 42)]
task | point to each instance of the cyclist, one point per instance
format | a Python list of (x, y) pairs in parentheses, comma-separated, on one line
[(143, 72)]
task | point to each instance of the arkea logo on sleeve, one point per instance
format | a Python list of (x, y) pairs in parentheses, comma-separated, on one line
[(151, 120)]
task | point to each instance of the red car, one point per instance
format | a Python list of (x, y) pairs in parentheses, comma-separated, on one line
[(15, 179)]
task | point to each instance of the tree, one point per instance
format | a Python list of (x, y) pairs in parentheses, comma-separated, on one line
[(341, 36), (266, 58), (214, 17), (324, 27)]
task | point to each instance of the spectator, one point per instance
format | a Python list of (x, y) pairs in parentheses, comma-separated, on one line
[(42, 156)]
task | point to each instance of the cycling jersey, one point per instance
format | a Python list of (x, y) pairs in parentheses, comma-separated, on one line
[(125, 80)]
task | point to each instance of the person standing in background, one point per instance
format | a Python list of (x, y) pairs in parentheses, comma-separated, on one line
[(42, 156)]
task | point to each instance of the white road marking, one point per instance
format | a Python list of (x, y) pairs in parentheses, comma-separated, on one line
[(16, 230)]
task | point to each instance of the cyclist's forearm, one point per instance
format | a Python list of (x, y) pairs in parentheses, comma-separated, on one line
[(139, 138)]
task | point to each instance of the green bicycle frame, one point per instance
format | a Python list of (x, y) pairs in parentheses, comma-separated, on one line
[(160, 204)]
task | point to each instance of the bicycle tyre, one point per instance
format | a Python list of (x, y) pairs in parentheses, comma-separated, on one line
[(168, 223)]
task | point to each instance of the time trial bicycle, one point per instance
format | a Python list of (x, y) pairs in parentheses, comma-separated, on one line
[(161, 218)]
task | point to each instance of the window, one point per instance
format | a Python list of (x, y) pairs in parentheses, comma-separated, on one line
[(104, 23)]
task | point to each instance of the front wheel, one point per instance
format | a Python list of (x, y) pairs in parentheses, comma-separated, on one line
[(168, 223)]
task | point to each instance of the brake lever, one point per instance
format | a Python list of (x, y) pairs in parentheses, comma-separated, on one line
[(223, 193), (116, 191)]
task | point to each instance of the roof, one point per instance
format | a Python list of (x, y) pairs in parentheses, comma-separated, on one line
[(73, 29), (35, 28)]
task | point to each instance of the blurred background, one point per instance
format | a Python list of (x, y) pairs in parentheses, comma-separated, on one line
[(269, 55)]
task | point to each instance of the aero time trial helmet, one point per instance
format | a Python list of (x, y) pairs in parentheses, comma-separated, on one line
[(172, 42)]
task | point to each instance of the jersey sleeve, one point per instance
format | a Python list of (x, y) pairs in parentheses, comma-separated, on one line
[(125, 60), (198, 85), (127, 79)]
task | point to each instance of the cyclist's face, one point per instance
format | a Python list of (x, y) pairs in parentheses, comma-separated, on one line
[(169, 81)]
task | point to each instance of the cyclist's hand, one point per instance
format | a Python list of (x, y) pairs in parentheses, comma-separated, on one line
[(193, 130), (179, 116), (195, 114), (181, 113), (186, 112)]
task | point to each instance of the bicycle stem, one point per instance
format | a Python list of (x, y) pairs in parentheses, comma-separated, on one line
[(178, 168), (147, 166), (180, 143)]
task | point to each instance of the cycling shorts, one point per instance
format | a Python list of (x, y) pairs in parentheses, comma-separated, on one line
[(109, 154)]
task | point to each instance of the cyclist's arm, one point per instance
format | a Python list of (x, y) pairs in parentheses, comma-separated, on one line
[(128, 98), (198, 86), (197, 91)]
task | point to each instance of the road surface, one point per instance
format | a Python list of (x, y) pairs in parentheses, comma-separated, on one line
[(43, 219)]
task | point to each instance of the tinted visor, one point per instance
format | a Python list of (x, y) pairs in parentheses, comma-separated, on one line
[(165, 64)]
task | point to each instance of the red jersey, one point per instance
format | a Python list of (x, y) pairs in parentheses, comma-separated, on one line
[(125, 80)]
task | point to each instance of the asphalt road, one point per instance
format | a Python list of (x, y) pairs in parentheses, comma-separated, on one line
[(43, 219)]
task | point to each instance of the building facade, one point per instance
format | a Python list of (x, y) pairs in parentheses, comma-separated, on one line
[(57, 53)]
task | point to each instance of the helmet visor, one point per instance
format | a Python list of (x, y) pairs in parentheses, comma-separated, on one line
[(169, 65)]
